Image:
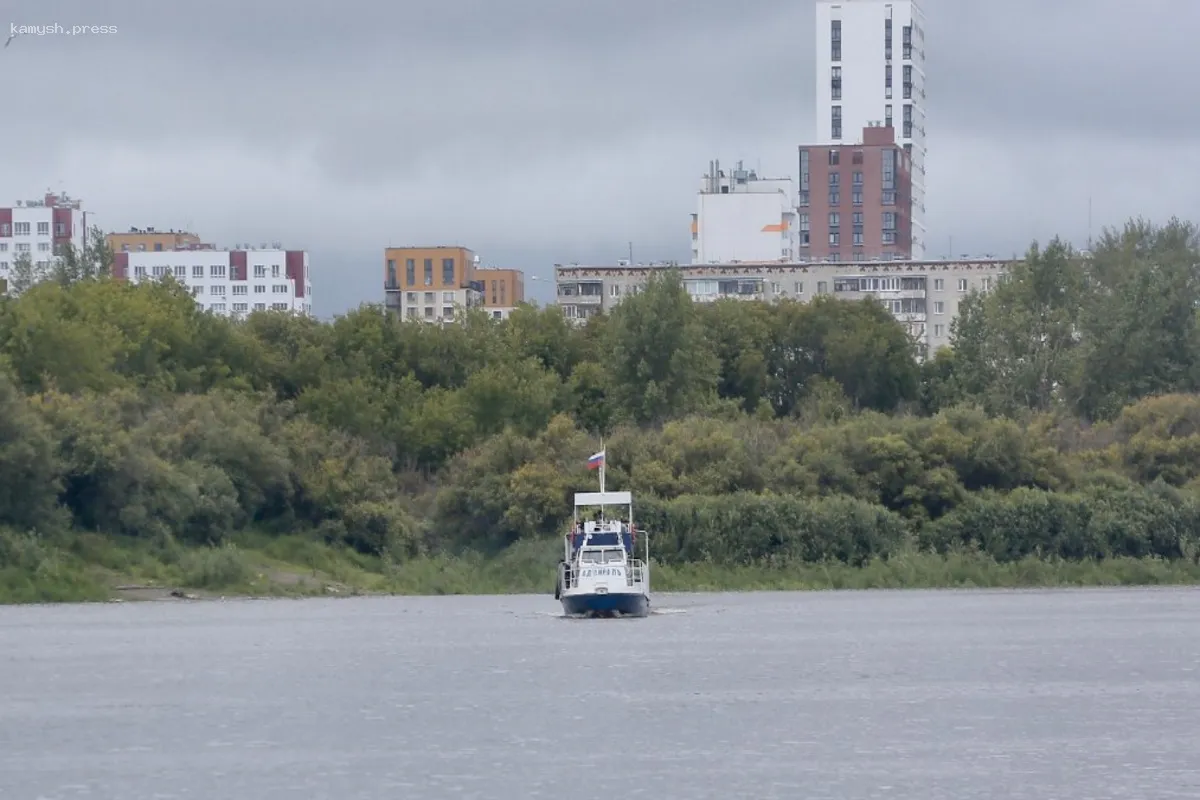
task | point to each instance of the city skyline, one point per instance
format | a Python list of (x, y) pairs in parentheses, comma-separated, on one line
[(560, 134)]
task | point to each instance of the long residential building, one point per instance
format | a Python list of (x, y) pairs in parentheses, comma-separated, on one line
[(923, 295), (38, 228), (230, 282)]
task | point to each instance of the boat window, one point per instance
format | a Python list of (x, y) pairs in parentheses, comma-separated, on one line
[(614, 556), (592, 557)]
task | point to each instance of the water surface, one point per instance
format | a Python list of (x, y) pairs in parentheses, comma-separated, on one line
[(913, 695)]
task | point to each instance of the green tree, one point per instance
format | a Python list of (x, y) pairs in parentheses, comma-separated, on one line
[(661, 362)]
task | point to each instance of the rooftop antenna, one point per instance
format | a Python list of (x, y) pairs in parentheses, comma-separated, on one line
[(1089, 239)]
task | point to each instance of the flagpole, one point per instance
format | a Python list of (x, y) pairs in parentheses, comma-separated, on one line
[(603, 464)]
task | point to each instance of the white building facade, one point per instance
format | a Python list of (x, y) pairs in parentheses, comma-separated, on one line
[(870, 70), (922, 295), (38, 228), (231, 283), (742, 217)]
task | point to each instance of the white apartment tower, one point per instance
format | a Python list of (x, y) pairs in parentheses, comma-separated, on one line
[(741, 217), (871, 69)]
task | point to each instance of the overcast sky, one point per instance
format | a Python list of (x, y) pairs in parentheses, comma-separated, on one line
[(543, 131)]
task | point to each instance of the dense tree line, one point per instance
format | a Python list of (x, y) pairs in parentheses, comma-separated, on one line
[(1061, 423)]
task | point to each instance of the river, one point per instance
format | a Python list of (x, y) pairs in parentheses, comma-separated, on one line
[(1052, 695)]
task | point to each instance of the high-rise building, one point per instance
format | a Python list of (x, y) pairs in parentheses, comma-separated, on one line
[(743, 217), (854, 201), (870, 72), (38, 229)]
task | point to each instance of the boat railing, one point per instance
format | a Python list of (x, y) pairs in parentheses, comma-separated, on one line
[(636, 572)]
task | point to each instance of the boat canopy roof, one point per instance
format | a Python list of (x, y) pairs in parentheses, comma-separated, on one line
[(603, 499)]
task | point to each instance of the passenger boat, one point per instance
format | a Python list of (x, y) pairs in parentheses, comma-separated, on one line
[(600, 574)]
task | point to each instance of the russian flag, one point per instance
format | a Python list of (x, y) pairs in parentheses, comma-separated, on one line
[(596, 461)]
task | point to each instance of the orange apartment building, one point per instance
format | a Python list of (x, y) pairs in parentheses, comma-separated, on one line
[(503, 290), (138, 240), (430, 284)]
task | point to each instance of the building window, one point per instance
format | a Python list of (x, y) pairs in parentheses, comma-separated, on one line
[(836, 84), (985, 284), (197, 271), (834, 158), (908, 82), (802, 199), (260, 271), (181, 273), (856, 197), (799, 287), (428, 272), (835, 178), (887, 116), (21, 228), (158, 247), (835, 238), (908, 121), (836, 122), (411, 298), (858, 238), (906, 42), (429, 298), (887, 41), (410, 272), (428, 312), (43, 229), (834, 219), (240, 289), (391, 273), (274, 270), (938, 330), (888, 199), (260, 306), (43, 247), (822, 287), (858, 178), (887, 78), (260, 289), (939, 285), (23, 247), (447, 271), (218, 291), (217, 271), (60, 229), (448, 297), (835, 197), (835, 40), (939, 307), (962, 284), (614, 290)]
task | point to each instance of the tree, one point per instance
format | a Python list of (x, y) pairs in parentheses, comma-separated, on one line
[(1015, 347), (661, 361), (1139, 332)]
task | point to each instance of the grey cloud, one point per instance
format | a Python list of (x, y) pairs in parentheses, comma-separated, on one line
[(538, 131)]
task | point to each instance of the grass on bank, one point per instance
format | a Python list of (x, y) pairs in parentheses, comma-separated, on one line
[(90, 567)]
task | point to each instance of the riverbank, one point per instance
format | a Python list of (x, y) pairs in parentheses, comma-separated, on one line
[(96, 568)]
